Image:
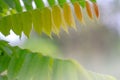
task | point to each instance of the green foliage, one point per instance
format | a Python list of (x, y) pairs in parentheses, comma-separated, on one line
[(22, 64), (42, 45)]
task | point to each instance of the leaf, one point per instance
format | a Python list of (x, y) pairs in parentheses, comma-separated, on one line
[(94, 1), (10, 3), (3, 6), (78, 12), (62, 2), (96, 10), (88, 9), (28, 4), (4, 60), (82, 3), (3, 78), (37, 20), (5, 52), (47, 21), (18, 6), (5, 25), (57, 18), (97, 76), (26, 23), (51, 2), (17, 23), (39, 4), (26, 65), (64, 25), (68, 16)]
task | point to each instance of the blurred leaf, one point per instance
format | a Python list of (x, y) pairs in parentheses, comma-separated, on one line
[(3, 78), (18, 6), (89, 10), (28, 4), (39, 4), (26, 65), (78, 12), (42, 45), (93, 0)]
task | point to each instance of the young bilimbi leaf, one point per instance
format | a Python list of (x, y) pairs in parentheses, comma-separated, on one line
[(27, 23), (17, 24), (57, 18), (68, 16), (89, 10), (64, 25), (96, 10), (47, 20), (78, 12), (37, 21)]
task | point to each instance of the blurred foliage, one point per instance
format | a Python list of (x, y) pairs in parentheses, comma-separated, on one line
[(26, 65), (43, 45)]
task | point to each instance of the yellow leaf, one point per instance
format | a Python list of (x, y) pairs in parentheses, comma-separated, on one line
[(68, 16), (57, 19), (88, 9), (64, 25)]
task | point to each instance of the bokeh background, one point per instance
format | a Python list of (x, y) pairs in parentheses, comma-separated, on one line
[(95, 45)]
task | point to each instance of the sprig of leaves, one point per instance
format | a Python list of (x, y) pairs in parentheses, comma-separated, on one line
[(48, 19)]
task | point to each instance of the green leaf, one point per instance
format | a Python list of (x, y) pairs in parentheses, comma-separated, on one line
[(39, 4), (3, 78), (26, 23), (26, 65), (4, 62), (5, 25), (3, 7), (5, 51), (10, 3), (3, 4), (62, 2), (93, 1), (28, 4), (82, 3), (18, 6), (37, 20), (47, 20), (51, 2), (17, 24), (73, 1)]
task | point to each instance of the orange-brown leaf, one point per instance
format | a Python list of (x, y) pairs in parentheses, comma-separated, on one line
[(96, 9), (78, 12), (88, 9)]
